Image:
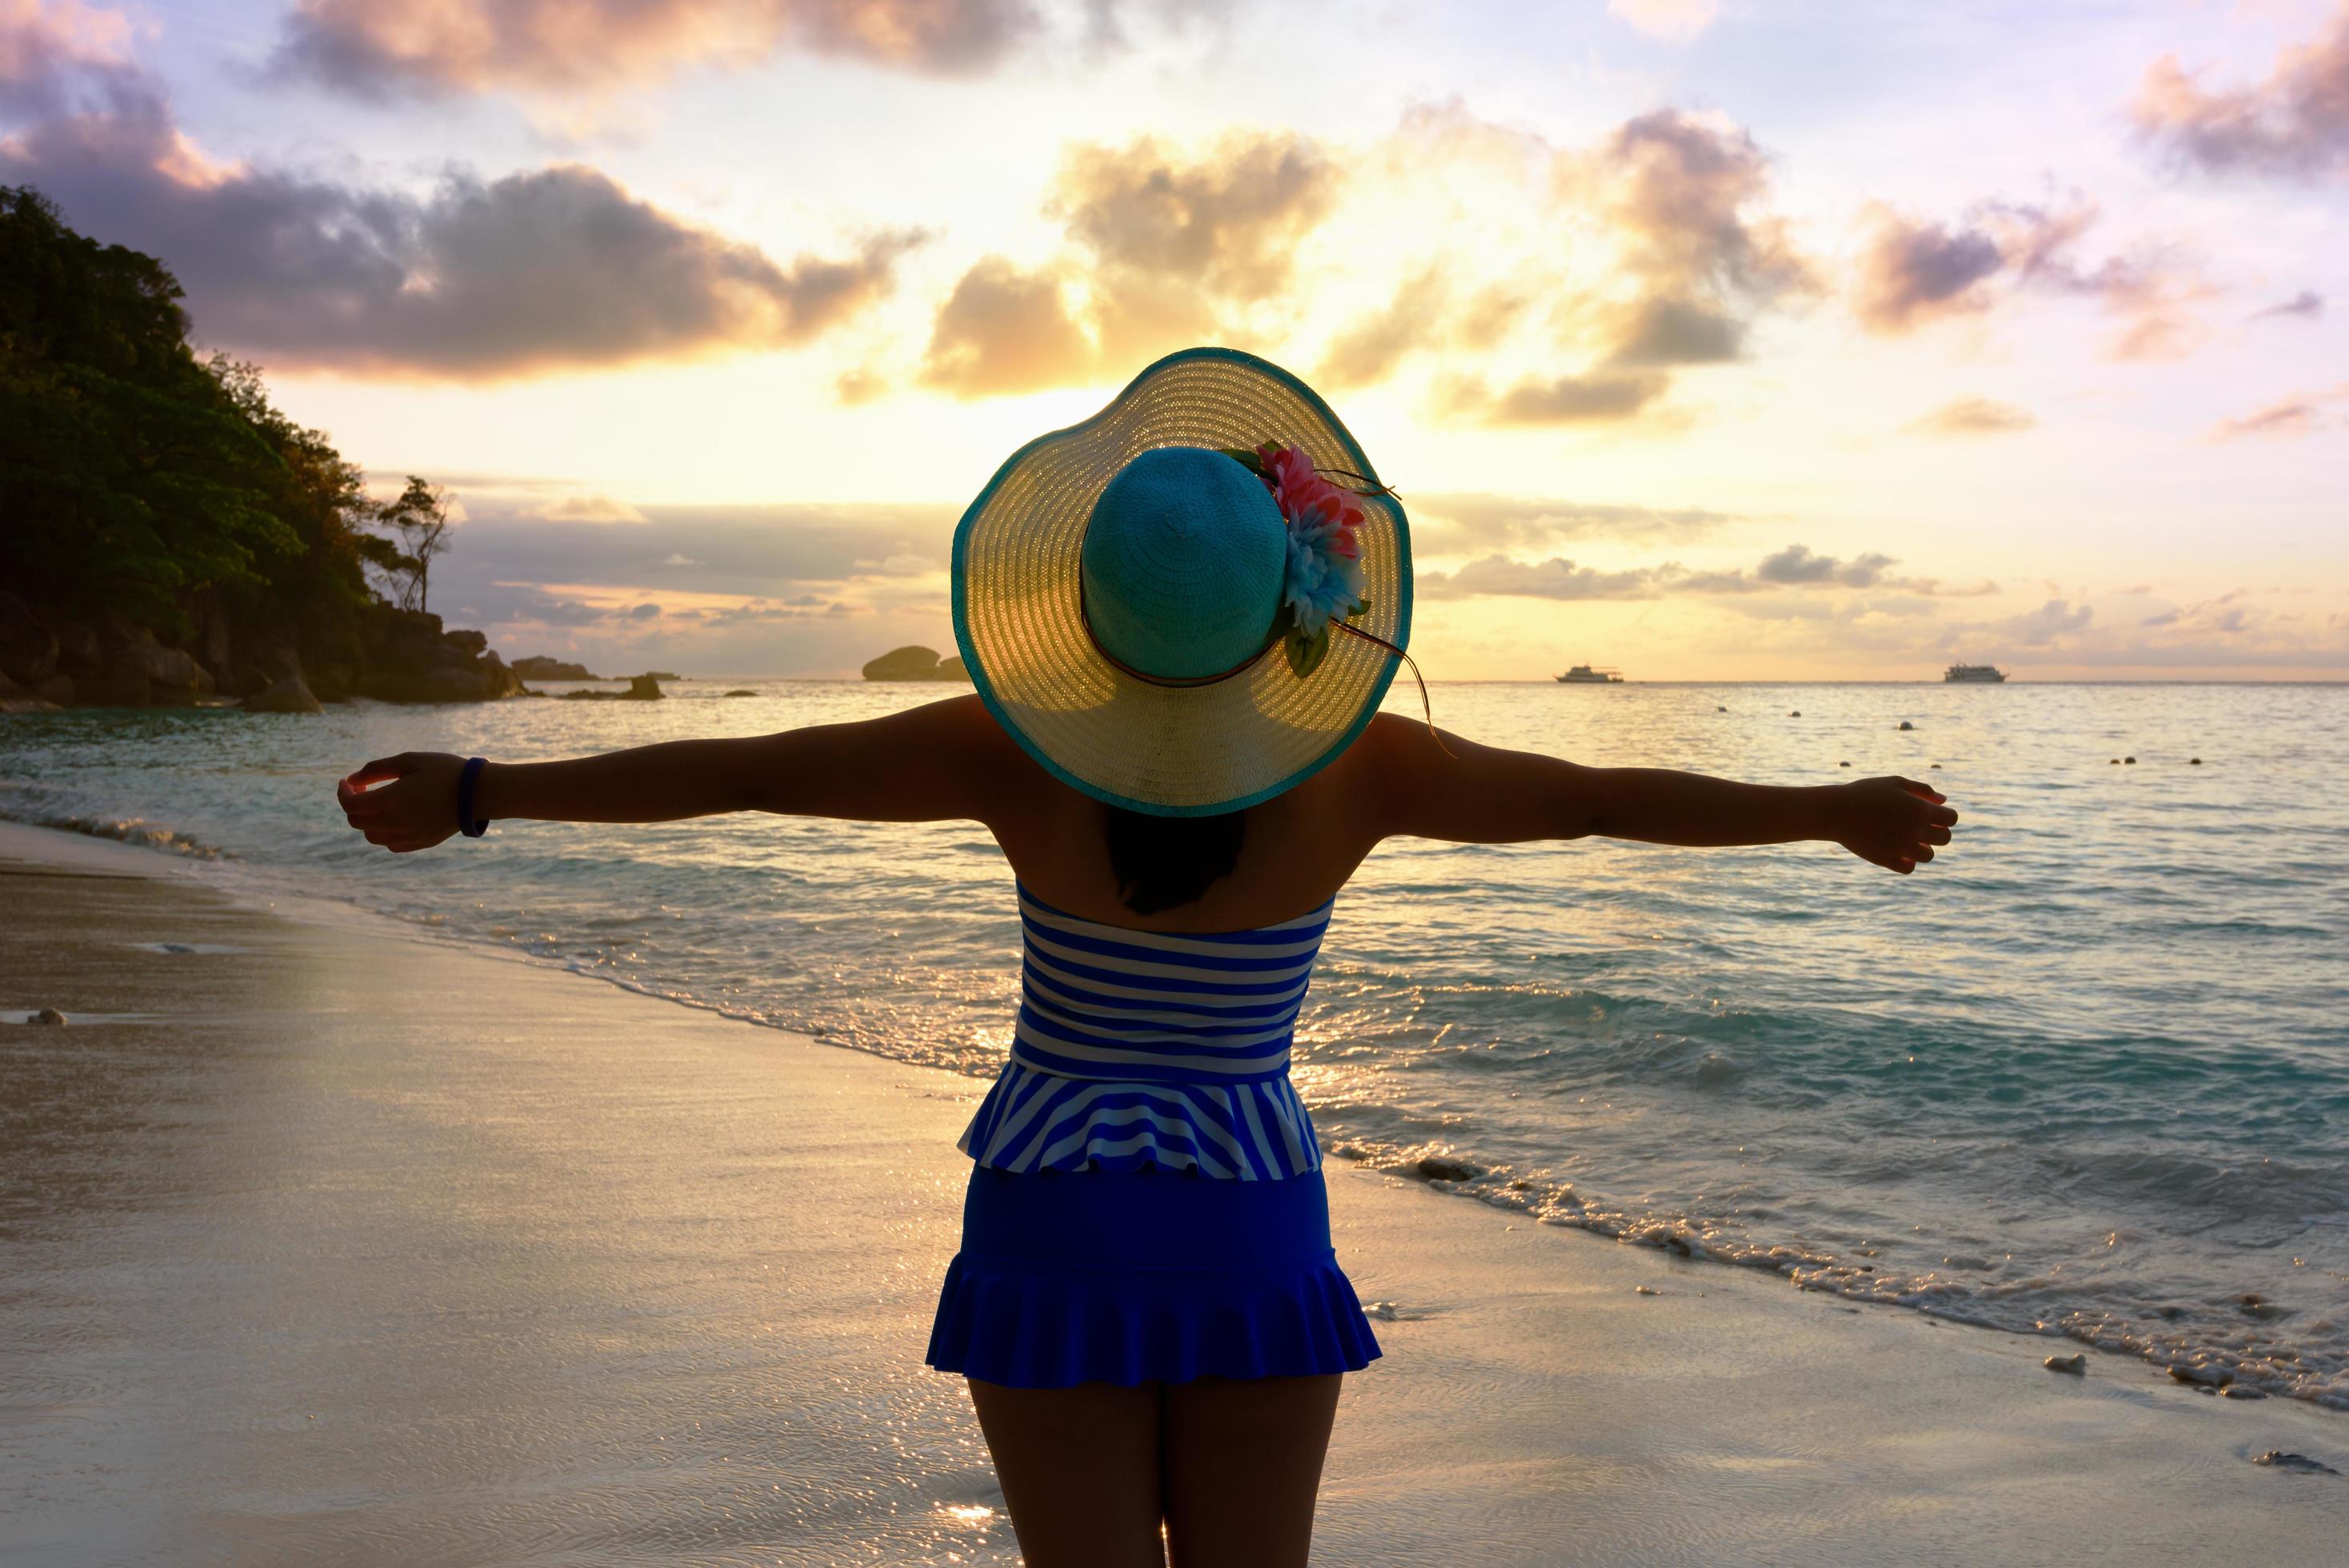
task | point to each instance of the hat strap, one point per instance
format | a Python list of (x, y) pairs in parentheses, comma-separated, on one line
[(1425, 706)]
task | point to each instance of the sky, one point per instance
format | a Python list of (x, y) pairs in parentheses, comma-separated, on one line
[(1706, 339)]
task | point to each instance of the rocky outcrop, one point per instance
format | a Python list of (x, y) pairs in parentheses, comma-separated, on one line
[(291, 694), (641, 688), (112, 661), (914, 663), (28, 650), (405, 655), (545, 668), (14, 698)]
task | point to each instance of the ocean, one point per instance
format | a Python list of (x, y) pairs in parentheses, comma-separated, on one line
[(2086, 1076)]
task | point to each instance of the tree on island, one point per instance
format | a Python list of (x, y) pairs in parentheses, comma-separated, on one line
[(419, 520)]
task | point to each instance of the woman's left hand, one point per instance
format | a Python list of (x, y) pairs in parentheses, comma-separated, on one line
[(1893, 823), (404, 803)]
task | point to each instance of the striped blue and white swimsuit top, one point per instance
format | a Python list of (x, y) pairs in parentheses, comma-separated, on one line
[(1142, 1048)]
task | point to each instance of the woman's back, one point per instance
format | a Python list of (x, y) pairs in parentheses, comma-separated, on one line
[(1294, 852)]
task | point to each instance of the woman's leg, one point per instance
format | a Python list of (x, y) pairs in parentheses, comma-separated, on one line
[(1242, 1464), (1078, 1468)]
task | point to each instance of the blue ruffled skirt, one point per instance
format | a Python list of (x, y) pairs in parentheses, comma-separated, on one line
[(1136, 1276)]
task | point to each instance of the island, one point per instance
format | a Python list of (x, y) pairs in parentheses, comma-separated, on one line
[(175, 540), (546, 667), (915, 664)]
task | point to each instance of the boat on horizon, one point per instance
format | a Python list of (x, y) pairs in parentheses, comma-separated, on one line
[(1975, 674), (1583, 674)]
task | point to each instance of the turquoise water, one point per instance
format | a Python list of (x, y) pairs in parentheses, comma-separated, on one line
[(2087, 1074)]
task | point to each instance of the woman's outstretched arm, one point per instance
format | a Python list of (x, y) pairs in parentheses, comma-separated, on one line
[(1488, 794), (941, 760)]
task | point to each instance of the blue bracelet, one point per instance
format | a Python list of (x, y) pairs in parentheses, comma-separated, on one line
[(467, 823)]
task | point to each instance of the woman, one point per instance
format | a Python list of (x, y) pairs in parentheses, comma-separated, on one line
[(1180, 617)]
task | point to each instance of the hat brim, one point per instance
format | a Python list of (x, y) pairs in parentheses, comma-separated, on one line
[(1169, 751)]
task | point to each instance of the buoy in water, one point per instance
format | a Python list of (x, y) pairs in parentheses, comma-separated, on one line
[(2131, 760), (1796, 713), (2193, 762), (1906, 725)]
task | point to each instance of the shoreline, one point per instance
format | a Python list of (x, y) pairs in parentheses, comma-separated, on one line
[(341, 1243)]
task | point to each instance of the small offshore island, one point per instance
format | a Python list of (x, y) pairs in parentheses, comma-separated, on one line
[(915, 664)]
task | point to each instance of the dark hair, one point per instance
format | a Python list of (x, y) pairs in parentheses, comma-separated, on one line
[(1165, 863)]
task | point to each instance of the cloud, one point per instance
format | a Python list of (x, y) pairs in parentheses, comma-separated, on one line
[(2055, 619), (557, 268), (774, 552), (1794, 568), (1912, 273), (2292, 124), (1686, 197), (1799, 564), (1974, 417), (590, 509), (1005, 331), (2226, 632), (391, 49), (1227, 220), (1556, 578), (1161, 246), (2308, 304), (1670, 332), (1459, 521), (1674, 21), (44, 45), (1603, 398), (1368, 351), (1675, 253), (2300, 414)]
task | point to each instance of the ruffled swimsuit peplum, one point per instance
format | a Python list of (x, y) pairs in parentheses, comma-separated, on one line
[(1146, 1200)]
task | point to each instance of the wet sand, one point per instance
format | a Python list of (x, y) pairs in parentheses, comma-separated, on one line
[(327, 1244)]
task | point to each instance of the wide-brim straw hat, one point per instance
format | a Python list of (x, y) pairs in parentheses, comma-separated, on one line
[(1171, 750)]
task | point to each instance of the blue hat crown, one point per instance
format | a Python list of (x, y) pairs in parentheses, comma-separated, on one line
[(1182, 564)]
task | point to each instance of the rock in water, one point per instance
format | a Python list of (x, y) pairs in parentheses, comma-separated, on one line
[(48, 1016), (2077, 1365), (1435, 1168), (741, 691), (643, 688), (14, 698), (291, 694)]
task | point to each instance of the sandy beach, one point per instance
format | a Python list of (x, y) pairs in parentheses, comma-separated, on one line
[(326, 1243)]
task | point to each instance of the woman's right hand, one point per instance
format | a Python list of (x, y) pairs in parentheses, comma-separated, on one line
[(404, 803)]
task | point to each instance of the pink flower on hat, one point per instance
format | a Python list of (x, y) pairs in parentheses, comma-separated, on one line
[(1324, 580)]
